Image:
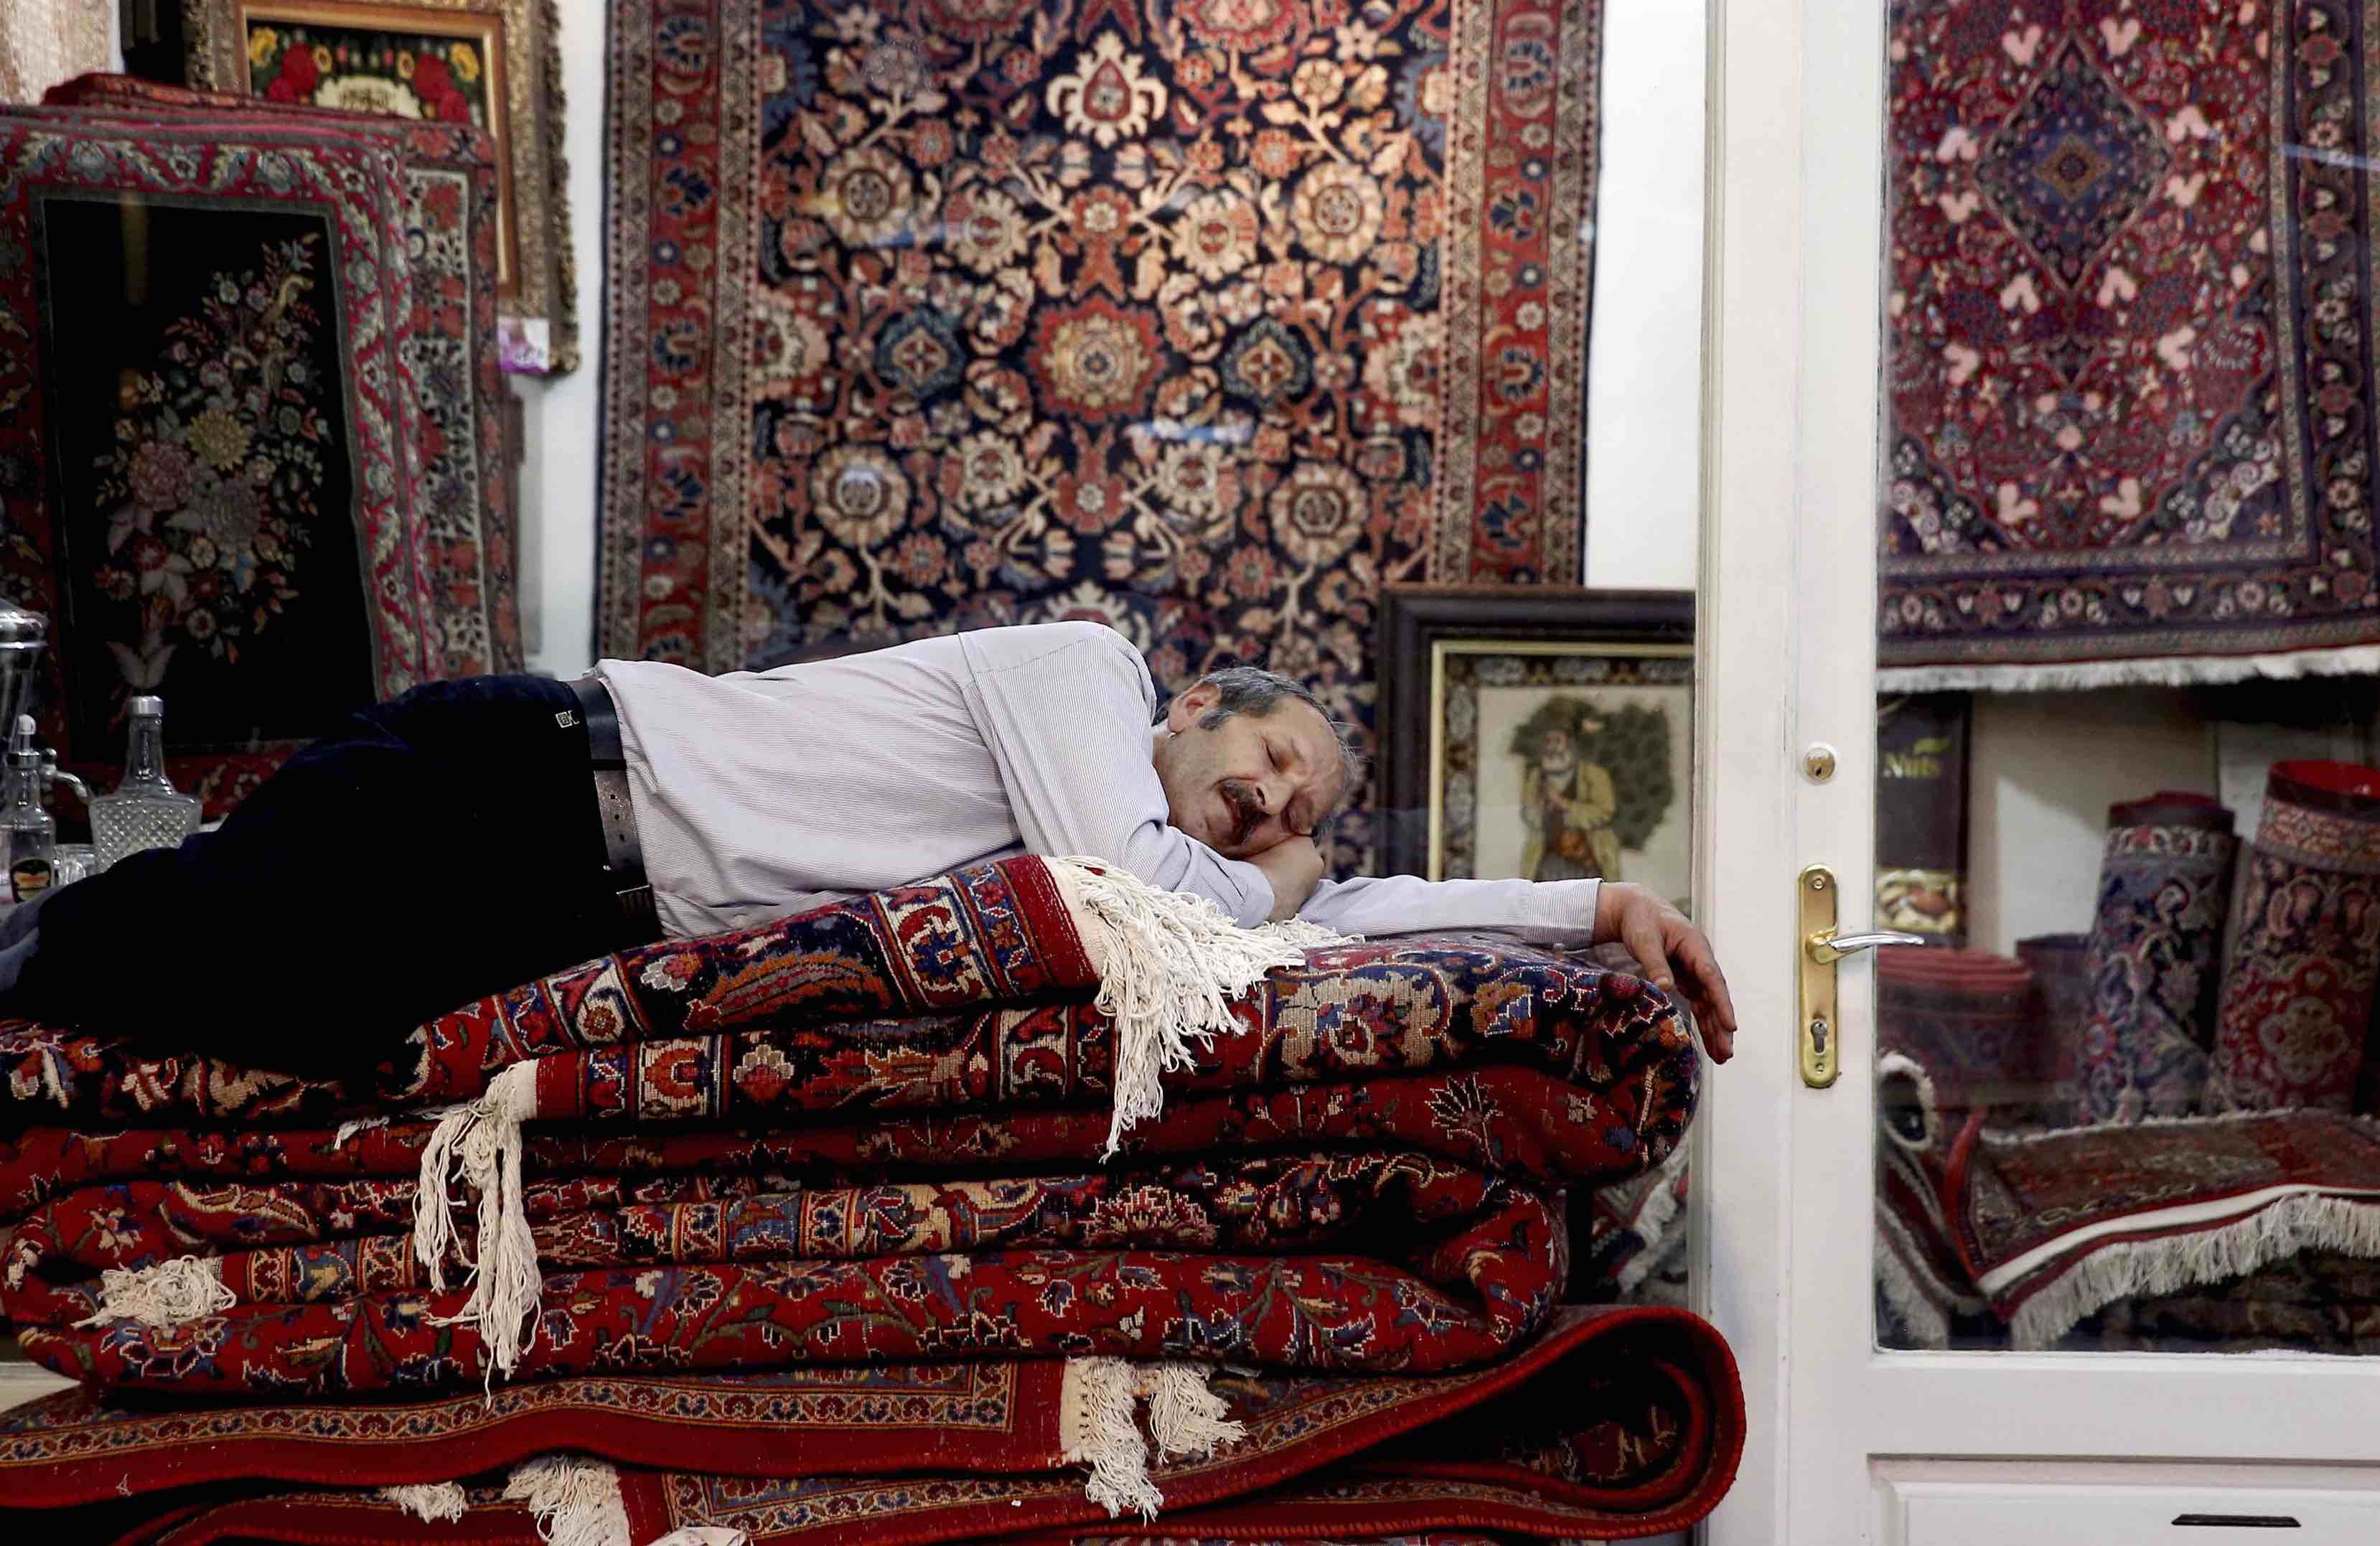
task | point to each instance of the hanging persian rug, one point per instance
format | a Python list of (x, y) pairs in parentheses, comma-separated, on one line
[(2131, 352), (1201, 320)]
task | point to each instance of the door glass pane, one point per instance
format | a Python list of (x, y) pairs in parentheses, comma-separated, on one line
[(2126, 638)]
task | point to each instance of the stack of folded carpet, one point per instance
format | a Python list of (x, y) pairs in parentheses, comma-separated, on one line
[(1027, 1201)]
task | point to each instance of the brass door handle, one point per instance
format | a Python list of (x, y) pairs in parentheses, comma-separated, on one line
[(1818, 1036), (1826, 948)]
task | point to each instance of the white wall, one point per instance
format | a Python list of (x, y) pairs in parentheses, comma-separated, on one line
[(2046, 766), (1644, 378), (561, 414)]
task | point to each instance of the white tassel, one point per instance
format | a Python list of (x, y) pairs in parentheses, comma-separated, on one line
[(432, 1502), (1098, 1428), (349, 1129), (1185, 1417), (1170, 965), (52, 1085), (482, 1141), (705, 1535), (576, 1501), (168, 1293)]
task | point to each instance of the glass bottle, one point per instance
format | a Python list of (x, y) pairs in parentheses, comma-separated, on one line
[(33, 835), (145, 811)]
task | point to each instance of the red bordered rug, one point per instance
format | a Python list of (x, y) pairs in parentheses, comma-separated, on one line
[(1617, 1422)]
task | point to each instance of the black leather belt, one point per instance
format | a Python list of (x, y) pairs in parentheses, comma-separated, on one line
[(623, 859)]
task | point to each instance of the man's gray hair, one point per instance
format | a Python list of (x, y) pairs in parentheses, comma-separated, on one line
[(1256, 692)]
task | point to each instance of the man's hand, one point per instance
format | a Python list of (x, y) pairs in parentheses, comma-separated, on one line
[(1669, 946), (1293, 865)]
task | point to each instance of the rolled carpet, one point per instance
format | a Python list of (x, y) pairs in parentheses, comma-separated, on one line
[(2061, 966), (2154, 959), (1971, 1018), (2297, 1000)]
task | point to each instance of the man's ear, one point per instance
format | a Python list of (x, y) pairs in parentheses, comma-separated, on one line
[(1188, 708)]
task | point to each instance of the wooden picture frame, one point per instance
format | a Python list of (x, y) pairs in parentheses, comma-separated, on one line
[(1464, 669), (496, 61)]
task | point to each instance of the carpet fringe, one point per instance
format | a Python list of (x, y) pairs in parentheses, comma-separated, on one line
[(1888, 1065), (2138, 1269), (1098, 1426), (1925, 1321), (164, 1295), (350, 1129), (1170, 965), (577, 1501), (482, 1140), (2184, 670), (431, 1502), (1661, 1207)]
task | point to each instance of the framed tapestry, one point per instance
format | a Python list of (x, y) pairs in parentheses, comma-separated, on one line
[(1542, 733), (462, 432), (490, 63), (217, 424)]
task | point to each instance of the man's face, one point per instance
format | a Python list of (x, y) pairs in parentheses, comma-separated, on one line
[(1251, 781)]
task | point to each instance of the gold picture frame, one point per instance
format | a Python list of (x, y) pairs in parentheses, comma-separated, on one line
[(496, 60)]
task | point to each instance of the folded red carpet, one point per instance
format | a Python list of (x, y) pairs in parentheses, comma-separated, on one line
[(1617, 1422), (2052, 1227), (741, 1174)]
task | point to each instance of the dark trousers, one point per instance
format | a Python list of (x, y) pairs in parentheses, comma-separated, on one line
[(442, 846)]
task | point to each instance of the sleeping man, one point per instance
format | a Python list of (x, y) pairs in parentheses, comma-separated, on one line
[(474, 834)]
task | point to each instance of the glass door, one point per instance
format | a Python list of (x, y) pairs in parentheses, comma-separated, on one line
[(2033, 325)]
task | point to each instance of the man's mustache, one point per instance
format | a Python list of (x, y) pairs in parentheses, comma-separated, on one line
[(1246, 807)]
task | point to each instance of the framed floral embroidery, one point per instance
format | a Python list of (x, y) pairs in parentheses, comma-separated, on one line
[(220, 474), (487, 63), (1540, 734)]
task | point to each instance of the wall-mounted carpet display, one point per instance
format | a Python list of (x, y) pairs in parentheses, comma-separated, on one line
[(2298, 996), (2156, 958), (248, 463), (1202, 320), (2131, 347)]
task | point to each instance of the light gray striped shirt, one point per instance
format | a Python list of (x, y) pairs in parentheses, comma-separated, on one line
[(760, 794)]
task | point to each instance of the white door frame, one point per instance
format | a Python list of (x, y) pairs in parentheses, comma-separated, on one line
[(1783, 1180)]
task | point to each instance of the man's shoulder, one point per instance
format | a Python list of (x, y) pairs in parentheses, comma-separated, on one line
[(1050, 646)]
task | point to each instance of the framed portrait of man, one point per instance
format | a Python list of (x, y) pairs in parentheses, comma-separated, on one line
[(1544, 734)]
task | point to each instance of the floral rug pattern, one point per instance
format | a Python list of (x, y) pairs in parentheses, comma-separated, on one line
[(1203, 321), (2131, 352)]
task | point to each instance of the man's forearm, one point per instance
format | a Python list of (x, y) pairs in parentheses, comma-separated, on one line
[(1407, 904)]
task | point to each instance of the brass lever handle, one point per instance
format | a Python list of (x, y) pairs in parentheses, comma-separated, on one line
[(1825, 947), (1820, 1037)]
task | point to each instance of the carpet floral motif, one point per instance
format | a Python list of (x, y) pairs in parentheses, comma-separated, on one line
[(1204, 321), (2156, 955), (2129, 333), (217, 465)]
